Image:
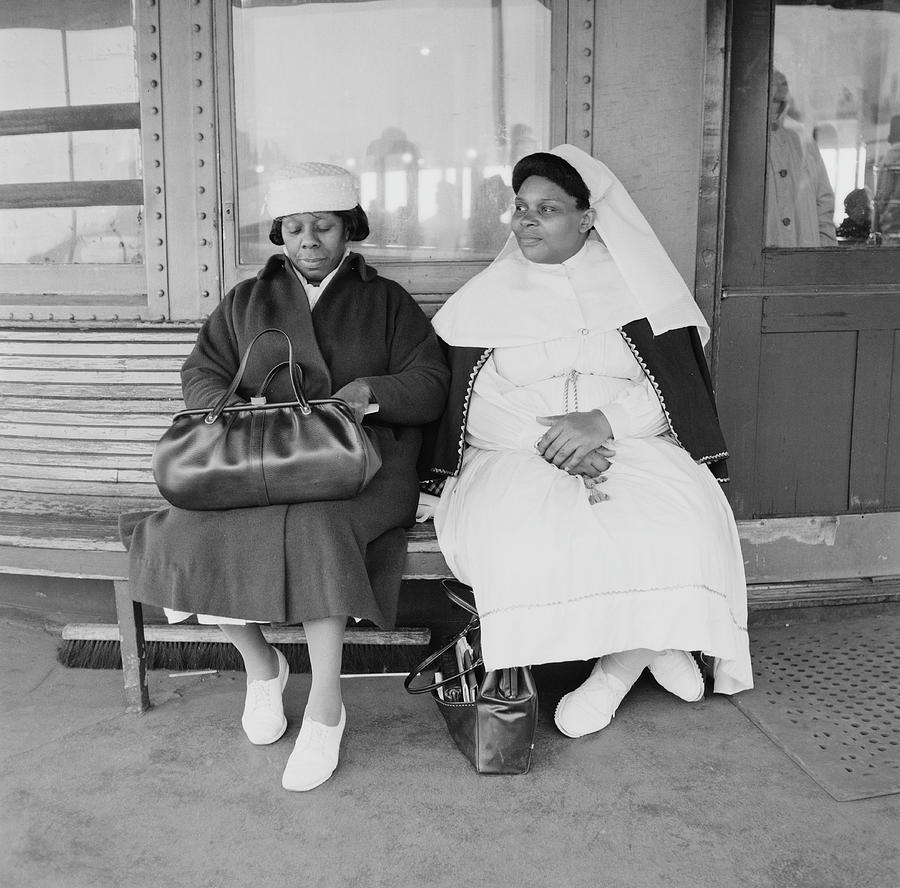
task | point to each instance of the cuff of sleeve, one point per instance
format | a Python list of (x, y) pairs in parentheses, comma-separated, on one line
[(619, 420)]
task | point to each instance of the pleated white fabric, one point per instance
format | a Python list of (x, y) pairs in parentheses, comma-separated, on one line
[(658, 565)]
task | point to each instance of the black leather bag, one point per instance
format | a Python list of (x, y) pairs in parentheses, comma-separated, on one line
[(495, 731), (261, 454)]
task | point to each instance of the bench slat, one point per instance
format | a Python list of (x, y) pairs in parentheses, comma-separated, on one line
[(127, 335), (153, 406), (108, 419), (127, 363), (94, 377), (103, 472), (116, 433), (48, 504), (98, 488), (88, 351), (74, 445), (94, 391)]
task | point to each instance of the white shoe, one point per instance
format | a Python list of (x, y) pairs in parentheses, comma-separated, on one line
[(263, 719), (591, 706), (678, 673), (315, 754)]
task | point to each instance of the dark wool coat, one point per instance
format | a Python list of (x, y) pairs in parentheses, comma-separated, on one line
[(673, 361), (306, 561)]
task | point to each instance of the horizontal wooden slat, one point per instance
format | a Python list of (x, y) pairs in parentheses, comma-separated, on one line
[(106, 377), (32, 460), (147, 420), (81, 350), (71, 505), (84, 488), (109, 448), (108, 193), (70, 118), (96, 391), (133, 364), (194, 634), (831, 312), (150, 406), (28, 430), (111, 474)]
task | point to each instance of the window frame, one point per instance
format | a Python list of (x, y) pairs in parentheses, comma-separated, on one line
[(747, 261), (428, 280)]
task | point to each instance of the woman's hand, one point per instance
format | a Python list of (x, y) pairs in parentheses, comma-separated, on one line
[(572, 436), (594, 464), (358, 395)]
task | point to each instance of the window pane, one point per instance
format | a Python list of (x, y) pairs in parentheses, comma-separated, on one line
[(68, 54), (430, 104), (833, 171)]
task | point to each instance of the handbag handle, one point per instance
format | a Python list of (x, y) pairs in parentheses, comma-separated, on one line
[(435, 657), (300, 397), (298, 370)]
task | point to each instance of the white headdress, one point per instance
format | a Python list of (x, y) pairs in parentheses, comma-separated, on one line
[(515, 301)]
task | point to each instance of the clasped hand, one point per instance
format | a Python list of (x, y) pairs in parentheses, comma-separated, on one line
[(578, 443)]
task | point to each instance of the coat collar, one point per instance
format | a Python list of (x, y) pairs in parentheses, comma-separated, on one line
[(354, 264)]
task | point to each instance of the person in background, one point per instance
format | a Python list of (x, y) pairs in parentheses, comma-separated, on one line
[(857, 225), (358, 337), (799, 196)]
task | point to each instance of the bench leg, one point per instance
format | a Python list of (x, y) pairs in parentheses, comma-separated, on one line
[(130, 615)]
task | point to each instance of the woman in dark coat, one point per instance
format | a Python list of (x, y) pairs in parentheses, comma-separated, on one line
[(358, 337)]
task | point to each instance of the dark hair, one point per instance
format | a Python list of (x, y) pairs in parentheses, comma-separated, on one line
[(558, 171), (355, 221)]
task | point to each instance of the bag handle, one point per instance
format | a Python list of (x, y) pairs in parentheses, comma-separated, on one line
[(300, 397), (435, 657), (298, 370), (474, 623)]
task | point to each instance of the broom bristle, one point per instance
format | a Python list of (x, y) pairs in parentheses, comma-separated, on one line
[(357, 659)]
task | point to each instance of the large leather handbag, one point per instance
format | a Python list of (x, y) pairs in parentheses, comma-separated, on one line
[(232, 456), (493, 724)]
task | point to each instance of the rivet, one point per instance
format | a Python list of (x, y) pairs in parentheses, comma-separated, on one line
[(160, 267), (31, 317), (586, 106), (201, 162), (205, 294), (203, 241), (586, 133), (152, 29), (203, 215), (156, 163), (151, 2), (199, 137), (157, 190), (50, 316), (588, 25), (586, 51), (198, 56), (154, 110), (115, 317), (586, 78), (156, 137), (199, 109), (153, 56), (71, 317), (198, 82), (202, 190), (204, 268), (159, 242), (161, 293), (158, 215), (196, 29)]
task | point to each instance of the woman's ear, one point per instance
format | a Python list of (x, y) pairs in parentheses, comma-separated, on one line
[(587, 220)]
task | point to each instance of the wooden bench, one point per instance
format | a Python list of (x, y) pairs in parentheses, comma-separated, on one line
[(82, 411)]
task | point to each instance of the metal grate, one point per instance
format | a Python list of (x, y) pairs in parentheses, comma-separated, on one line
[(829, 695)]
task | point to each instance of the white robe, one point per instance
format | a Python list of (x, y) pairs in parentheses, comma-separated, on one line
[(658, 565)]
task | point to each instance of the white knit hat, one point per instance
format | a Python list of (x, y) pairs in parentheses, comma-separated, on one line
[(311, 188)]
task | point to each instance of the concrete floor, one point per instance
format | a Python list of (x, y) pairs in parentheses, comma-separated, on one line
[(670, 794)]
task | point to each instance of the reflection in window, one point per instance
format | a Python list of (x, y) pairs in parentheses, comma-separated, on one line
[(70, 188), (833, 166), (430, 104)]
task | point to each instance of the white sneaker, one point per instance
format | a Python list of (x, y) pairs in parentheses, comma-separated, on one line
[(678, 673), (591, 706), (263, 719), (315, 754)]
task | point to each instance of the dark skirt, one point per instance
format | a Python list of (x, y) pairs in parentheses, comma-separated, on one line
[(283, 564)]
